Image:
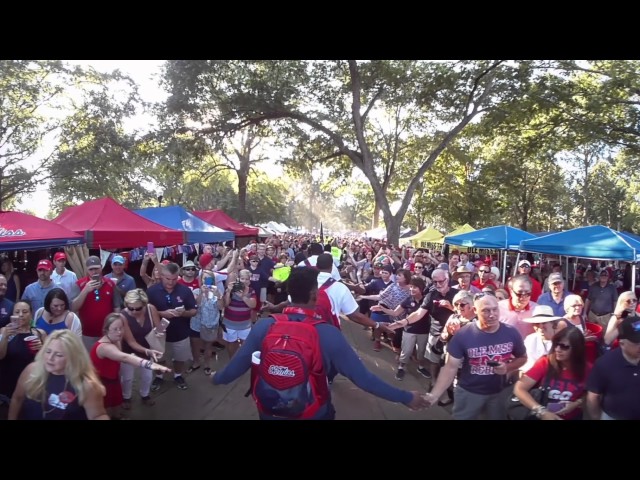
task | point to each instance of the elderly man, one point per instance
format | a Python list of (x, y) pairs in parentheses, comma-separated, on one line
[(518, 307), (61, 276), (36, 291), (463, 276), (487, 351), (554, 298), (601, 300), (613, 387)]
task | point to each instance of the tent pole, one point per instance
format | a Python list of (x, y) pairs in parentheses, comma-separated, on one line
[(633, 278), (504, 267)]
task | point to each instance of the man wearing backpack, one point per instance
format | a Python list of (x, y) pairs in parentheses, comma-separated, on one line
[(295, 352)]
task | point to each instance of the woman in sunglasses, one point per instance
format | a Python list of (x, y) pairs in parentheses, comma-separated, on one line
[(565, 369), (625, 307), (140, 317)]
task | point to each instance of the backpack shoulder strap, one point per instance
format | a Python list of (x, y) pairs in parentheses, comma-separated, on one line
[(307, 262), (330, 281), (280, 317)]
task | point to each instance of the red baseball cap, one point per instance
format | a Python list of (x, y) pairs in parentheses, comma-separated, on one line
[(205, 259), (59, 256), (44, 265)]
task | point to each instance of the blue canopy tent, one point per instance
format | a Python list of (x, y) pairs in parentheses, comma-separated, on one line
[(176, 217), (501, 237), (595, 242)]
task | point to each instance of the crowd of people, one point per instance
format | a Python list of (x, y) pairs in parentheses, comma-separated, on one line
[(72, 342)]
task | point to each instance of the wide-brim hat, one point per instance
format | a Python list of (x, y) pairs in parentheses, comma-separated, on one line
[(460, 271), (542, 314)]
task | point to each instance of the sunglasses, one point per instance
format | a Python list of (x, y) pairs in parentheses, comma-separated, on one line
[(253, 261), (131, 309), (525, 266), (189, 269), (441, 282), (484, 271), (522, 294), (563, 346), (460, 304)]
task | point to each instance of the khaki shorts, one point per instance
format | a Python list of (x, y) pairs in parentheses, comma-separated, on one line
[(179, 351)]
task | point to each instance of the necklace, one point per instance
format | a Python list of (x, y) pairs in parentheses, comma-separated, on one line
[(62, 398)]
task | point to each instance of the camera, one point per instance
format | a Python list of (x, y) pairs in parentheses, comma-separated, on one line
[(237, 286)]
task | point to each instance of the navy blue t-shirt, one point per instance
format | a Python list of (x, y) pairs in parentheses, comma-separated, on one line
[(181, 295), (476, 347), (618, 383)]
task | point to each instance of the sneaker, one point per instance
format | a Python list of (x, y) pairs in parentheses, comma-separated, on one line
[(400, 374), (180, 383), (424, 372), (156, 384), (377, 346)]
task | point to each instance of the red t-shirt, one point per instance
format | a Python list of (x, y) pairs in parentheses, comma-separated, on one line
[(96, 307), (193, 284), (567, 388)]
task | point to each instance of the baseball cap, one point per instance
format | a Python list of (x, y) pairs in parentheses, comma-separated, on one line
[(93, 261), (629, 329), (44, 265), (542, 314), (555, 277), (205, 259), (378, 265), (388, 268), (59, 256), (524, 262), (604, 272), (117, 259)]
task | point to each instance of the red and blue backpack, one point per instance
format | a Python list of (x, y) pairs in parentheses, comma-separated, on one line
[(290, 381)]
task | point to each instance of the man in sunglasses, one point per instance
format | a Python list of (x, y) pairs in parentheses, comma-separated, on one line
[(189, 276), (94, 297), (613, 386), (524, 268), (518, 307), (484, 278)]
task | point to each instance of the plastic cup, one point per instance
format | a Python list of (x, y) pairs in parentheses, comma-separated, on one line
[(255, 358), (32, 343)]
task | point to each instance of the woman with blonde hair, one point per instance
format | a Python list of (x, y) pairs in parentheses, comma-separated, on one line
[(140, 318), (107, 355), (625, 307), (61, 384)]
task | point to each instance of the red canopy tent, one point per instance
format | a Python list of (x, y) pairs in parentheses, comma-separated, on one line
[(20, 231), (107, 224), (221, 220)]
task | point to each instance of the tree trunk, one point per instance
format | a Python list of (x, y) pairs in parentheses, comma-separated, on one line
[(375, 220), (242, 197)]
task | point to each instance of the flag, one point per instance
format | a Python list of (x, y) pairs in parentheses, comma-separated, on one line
[(321, 234)]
